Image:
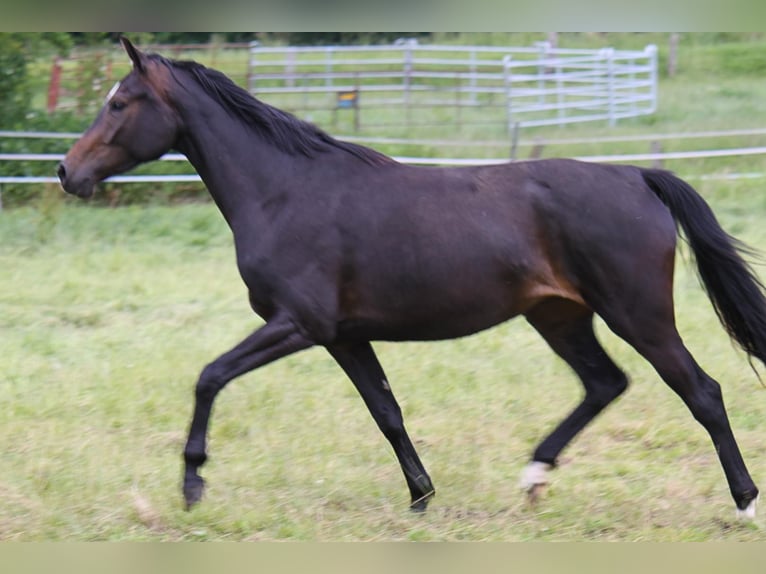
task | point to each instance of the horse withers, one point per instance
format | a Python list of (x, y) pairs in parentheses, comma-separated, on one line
[(340, 245)]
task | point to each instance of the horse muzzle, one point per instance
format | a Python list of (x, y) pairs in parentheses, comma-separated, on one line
[(81, 187)]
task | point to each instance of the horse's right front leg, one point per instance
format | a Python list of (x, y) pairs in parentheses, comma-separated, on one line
[(277, 339)]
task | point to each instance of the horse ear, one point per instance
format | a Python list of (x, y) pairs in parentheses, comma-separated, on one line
[(134, 53)]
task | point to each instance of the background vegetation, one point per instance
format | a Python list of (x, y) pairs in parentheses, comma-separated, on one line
[(715, 87), (108, 315)]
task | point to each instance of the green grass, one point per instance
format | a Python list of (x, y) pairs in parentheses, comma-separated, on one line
[(107, 320)]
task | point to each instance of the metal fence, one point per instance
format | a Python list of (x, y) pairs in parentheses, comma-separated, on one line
[(567, 86), (414, 84)]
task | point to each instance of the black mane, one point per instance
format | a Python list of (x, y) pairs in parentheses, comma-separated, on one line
[(284, 130)]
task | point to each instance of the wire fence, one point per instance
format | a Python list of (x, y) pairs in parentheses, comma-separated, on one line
[(656, 157), (612, 158)]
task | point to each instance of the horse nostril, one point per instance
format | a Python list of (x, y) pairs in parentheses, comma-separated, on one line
[(61, 171)]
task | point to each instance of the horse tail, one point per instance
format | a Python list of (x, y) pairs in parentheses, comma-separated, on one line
[(733, 287)]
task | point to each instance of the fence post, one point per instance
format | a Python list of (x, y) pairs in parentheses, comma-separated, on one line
[(507, 79), (290, 73), (328, 65), (54, 85), (608, 54), (537, 150), (544, 49), (251, 63), (356, 103), (514, 140), (408, 47), (458, 100), (651, 52), (473, 70), (655, 147), (673, 54), (561, 112)]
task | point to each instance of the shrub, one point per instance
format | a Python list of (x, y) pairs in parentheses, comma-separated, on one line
[(14, 89)]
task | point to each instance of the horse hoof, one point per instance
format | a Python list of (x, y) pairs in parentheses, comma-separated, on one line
[(748, 513), (535, 493), (419, 506), (193, 490)]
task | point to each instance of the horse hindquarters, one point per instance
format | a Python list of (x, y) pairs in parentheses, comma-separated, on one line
[(640, 311), (623, 267), (643, 316)]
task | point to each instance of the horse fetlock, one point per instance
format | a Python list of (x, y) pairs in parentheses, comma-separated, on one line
[(194, 458), (423, 482), (749, 511), (534, 477)]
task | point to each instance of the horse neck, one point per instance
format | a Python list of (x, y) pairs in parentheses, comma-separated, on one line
[(241, 171)]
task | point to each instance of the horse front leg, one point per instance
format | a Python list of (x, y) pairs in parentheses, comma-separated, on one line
[(359, 362), (277, 339)]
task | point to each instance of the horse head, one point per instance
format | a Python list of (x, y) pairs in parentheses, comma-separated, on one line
[(136, 124)]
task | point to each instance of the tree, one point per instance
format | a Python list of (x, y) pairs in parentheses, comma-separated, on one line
[(16, 51), (14, 92)]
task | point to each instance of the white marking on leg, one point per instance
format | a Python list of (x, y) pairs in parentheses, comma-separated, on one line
[(749, 512), (386, 386), (534, 474)]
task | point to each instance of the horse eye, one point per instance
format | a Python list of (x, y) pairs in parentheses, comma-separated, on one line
[(116, 105)]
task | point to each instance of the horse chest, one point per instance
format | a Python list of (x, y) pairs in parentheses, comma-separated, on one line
[(260, 281)]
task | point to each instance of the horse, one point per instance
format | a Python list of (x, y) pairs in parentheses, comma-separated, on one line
[(340, 245)]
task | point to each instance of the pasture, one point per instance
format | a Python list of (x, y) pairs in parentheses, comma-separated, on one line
[(108, 317)]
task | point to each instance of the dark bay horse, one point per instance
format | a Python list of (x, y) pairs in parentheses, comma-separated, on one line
[(340, 245)]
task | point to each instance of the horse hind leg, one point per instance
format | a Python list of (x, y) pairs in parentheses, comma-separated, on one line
[(567, 327), (652, 332)]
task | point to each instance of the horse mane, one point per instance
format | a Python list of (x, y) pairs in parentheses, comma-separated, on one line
[(287, 132)]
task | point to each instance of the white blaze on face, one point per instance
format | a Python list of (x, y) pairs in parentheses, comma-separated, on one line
[(111, 93)]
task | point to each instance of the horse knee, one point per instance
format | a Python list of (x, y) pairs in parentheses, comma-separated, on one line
[(211, 380)]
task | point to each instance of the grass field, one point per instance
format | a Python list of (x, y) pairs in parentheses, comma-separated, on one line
[(107, 319)]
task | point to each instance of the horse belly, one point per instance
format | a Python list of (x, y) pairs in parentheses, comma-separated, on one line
[(419, 306), (437, 270)]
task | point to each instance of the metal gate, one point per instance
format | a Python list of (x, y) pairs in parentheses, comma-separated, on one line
[(413, 84)]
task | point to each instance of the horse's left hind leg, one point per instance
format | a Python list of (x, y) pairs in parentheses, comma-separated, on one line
[(567, 327), (361, 365), (655, 337)]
